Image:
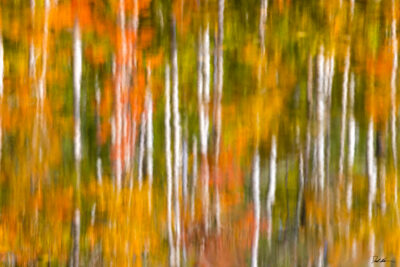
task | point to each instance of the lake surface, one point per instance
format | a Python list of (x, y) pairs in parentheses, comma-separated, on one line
[(199, 133)]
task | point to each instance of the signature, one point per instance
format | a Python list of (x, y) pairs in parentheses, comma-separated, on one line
[(377, 259)]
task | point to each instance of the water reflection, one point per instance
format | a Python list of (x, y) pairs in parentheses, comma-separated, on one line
[(206, 133)]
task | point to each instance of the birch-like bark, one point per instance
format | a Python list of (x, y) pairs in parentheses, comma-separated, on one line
[(42, 81), (77, 75), (204, 125), (344, 113), (177, 138), (257, 209), (351, 144), (218, 109), (32, 56), (149, 138), (76, 225), (168, 157), (271, 187), (371, 167), (321, 120), (141, 149), (261, 27)]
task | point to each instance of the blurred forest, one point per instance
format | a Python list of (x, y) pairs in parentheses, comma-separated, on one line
[(199, 133)]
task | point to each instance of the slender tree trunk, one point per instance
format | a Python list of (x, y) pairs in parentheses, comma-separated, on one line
[(218, 110), (177, 138), (76, 225), (141, 149), (344, 113), (351, 144), (321, 120), (42, 81), (194, 178), (271, 187), (371, 167), (77, 98), (149, 138), (168, 157), (261, 27), (257, 210)]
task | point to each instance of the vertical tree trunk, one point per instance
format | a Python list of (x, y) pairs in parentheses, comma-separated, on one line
[(42, 81), (141, 149), (76, 225), (257, 210), (344, 113), (168, 157), (77, 97), (371, 167), (149, 137), (194, 178), (351, 144), (321, 120), (271, 187), (177, 137), (218, 109)]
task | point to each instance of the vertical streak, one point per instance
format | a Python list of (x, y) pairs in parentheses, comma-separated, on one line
[(194, 177), (344, 112), (371, 245), (149, 138), (393, 97), (185, 172), (32, 56), (371, 167), (218, 111), (77, 96), (141, 149), (98, 132), (272, 186), (1, 65), (321, 120), (310, 100), (351, 9), (177, 137), (330, 73), (76, 223), (256, 200), (204, 123), (42, 81), (169, 162), (352, 135), (206, 65), (263, 19), (77, 75), (1, 89)]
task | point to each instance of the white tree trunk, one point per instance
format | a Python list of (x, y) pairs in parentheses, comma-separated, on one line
[(371, 167), (344, 113), (168, 157), (257, 209), (177, 139)]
